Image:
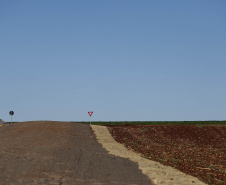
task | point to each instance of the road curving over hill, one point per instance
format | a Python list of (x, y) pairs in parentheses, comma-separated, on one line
[(47, 152)]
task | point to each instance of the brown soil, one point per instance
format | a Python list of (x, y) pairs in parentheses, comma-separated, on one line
[(198, 151), (61, 153)]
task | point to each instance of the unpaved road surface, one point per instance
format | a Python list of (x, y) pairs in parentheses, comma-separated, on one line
[(61, 153)]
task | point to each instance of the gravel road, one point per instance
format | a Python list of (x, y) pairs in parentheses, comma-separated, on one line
[(47, 152)]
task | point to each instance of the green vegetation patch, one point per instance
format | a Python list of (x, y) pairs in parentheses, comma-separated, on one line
[(155, 122)]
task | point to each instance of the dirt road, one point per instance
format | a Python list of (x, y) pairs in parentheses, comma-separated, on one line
[(61, 153)]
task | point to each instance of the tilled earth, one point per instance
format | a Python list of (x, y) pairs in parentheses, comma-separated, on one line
[(195, 150), (61, 153)]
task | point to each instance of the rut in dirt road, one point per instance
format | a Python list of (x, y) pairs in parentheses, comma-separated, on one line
[(48, 152)]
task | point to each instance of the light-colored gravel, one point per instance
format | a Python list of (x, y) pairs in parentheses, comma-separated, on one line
[(158, 173)]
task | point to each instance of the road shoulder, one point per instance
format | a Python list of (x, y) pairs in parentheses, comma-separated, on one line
[(158, 173)]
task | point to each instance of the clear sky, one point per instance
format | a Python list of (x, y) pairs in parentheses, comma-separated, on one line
[(126, 60)]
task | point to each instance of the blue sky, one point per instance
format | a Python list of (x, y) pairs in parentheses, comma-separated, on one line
[(126, 60)]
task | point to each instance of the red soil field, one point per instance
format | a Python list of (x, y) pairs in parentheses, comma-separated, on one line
[(195, 150)]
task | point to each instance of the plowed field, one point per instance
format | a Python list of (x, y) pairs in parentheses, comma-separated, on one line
[(195, 150)]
